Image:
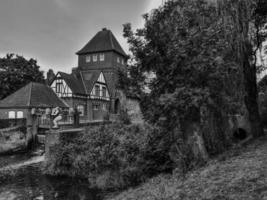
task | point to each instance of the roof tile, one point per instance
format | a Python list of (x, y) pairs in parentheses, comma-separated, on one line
[(103, 41), (32, 95)]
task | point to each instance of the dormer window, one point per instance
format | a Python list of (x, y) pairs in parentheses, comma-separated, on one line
[(88, 58), (102, 57), (118, 59), (94, 58)]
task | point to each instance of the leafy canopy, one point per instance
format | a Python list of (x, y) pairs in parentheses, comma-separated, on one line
[(184, 45), (16, 71)]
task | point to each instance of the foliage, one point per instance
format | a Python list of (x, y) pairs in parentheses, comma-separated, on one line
[(184, 53), (222, 178), (111, 156), (185, 48), (16, 71), (124, 117), (262, 84), (248, 21)]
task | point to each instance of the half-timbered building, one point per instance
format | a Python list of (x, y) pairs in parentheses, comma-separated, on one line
[(91, 87)]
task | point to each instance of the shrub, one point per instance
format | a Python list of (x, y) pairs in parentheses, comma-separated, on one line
[(111, 156)]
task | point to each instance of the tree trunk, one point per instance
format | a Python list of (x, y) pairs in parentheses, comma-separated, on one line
[(240, 13), (251, 97)]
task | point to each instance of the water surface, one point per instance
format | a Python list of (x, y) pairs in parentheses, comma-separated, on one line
[(31, 184)]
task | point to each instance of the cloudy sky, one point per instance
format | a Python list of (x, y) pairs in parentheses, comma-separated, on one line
[(51, 31)]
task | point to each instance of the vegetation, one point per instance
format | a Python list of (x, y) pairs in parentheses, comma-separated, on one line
[(197, 59), (248, 21), (185, 50), (262, 85), (16, 72), (202, 57), (236, 175), (111, 156)]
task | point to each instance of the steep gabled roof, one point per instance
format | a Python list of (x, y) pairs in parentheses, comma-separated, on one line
[(103, 41), (89, 79), (74, 83), (110, 81), (32, 95)]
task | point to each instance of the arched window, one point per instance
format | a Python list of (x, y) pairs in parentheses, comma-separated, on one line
[(11, 115), (19, 114)]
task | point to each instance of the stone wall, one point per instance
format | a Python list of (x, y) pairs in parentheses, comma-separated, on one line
[(12, 140), (132, 106), (4, 112), (134, 110)]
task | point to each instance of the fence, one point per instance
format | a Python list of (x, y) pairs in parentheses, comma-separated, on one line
[(44, 121)]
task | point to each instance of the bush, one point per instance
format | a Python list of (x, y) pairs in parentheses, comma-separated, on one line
[(112, 156)]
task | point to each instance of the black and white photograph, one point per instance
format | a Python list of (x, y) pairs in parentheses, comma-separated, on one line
[(133, 99)]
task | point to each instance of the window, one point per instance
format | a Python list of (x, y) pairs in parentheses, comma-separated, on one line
[(122, 61), (104, 91), (80, 109), (105, 107), (11, 115), (118, 59), (88, 58), (19, 114), (96, 107), (102, 57), (58, 87), (97, 90), (95, 58)]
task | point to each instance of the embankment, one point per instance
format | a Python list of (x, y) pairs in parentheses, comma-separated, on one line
[(236, 175)]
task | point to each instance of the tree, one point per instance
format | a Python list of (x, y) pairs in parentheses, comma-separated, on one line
[(196, 80), (16, 71), (248, 21)]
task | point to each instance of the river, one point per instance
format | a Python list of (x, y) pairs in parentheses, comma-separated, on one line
[(31, 184)]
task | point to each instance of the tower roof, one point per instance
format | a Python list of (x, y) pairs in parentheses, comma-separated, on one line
[(103, 41), (32, 95)]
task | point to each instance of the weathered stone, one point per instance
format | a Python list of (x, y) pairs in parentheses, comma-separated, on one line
[(12, 140), (131, 106)]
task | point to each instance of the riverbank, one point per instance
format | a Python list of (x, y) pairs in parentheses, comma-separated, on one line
[(25, 180), (238, 174)]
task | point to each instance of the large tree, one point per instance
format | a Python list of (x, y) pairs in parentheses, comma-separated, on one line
[(200, 54), (196, 81), (248, 19), (16, 71)]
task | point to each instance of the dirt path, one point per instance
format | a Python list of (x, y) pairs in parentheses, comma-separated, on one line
[(240, 174)]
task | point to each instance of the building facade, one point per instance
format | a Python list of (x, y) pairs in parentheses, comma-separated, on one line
[(91, 87)]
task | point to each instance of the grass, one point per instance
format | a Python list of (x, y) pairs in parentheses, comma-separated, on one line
[(239, 174)]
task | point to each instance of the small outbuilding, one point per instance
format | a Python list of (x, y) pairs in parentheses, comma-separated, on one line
[(25, 108), (29, 100)]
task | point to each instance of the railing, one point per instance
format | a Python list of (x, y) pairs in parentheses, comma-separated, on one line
[(44, 122)]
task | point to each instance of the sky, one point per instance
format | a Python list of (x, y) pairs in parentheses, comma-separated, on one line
[(52, 31)]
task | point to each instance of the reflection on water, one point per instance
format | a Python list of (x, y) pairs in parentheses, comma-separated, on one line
[(32, 185)]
